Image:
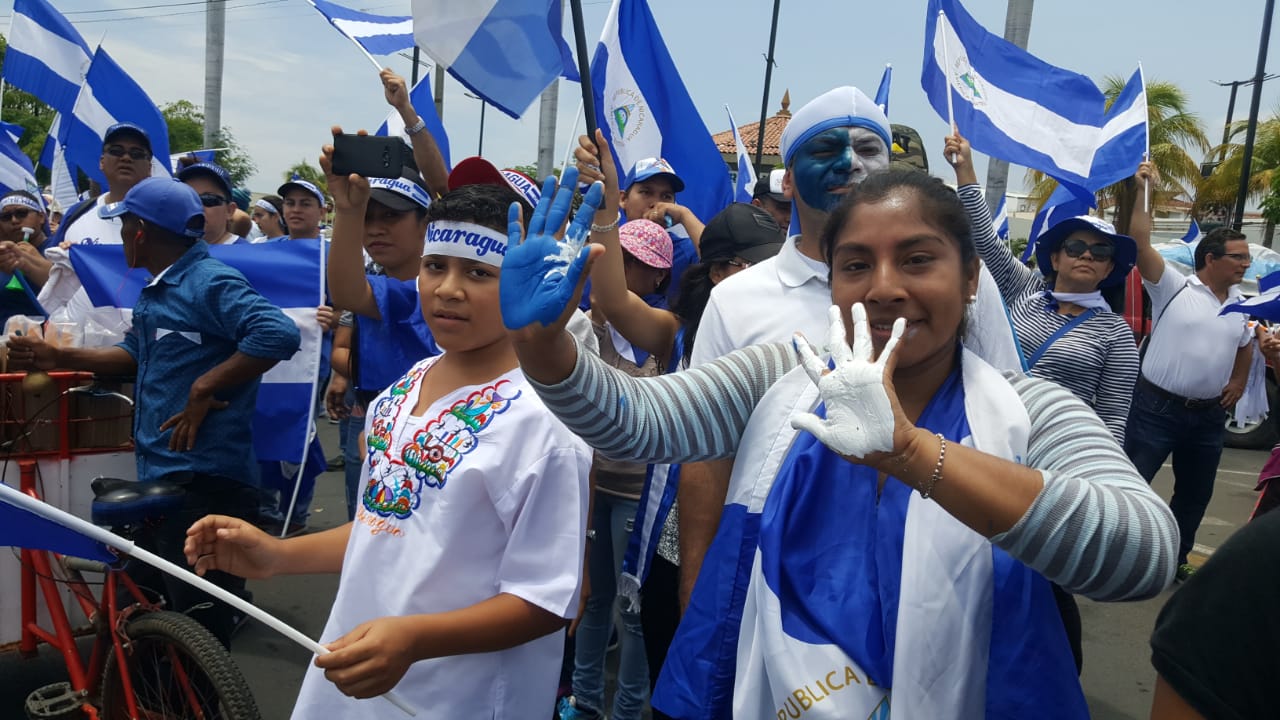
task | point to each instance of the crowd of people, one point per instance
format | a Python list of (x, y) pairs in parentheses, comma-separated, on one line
[(561, 427)]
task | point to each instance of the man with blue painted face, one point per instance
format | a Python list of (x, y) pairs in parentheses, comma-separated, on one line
[(830, 145)]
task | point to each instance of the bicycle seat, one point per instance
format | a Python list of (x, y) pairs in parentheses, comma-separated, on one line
[(125, 502)]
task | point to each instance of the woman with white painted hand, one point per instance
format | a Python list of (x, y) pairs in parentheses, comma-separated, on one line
[(1068, 331), (902, 569)]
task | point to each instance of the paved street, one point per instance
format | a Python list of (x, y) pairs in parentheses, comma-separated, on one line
[(1117, 676)]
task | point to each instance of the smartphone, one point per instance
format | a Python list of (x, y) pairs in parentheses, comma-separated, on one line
[(371, 156)]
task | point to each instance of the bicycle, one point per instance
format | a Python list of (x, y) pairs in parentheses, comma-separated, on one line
[(146, 662)]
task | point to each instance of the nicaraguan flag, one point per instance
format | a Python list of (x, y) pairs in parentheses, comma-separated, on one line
[(746, 171), (1265, 305), (289, 275), (46, 55), (16, 171), (505, 51), (1122, 140), (22, 528), (882, 94), (204, 156), (13, 130), (1062, 204), (645, 110), (1008, 103), (425, 105), (1193, 233), (377, 34), (1001, 220), (110, 96), (54, 158)]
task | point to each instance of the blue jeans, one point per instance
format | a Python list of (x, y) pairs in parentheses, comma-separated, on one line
[(612, 519), (1161, 425), (352, 457)]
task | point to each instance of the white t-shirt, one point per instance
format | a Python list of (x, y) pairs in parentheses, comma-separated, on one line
[(88, 228), (485, 494), (767, 302), (1192, 348)]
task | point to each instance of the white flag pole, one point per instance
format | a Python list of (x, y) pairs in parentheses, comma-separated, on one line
[(1146, 155), (946, 74), (36, 507), (311, 412)]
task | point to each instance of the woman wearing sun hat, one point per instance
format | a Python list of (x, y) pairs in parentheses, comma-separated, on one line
[(1068, 332)]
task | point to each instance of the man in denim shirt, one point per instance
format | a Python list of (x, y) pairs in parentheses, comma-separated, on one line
[(202, 337)]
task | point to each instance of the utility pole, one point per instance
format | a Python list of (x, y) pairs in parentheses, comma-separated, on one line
[(1017, 30), (1259, 74), (215, 35), (547, 110), (768, 76), (438, 94)]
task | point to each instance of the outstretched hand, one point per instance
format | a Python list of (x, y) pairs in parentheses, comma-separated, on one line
[(864, 418), (542, 277)]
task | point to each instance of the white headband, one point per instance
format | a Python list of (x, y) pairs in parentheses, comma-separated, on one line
[(465, 240), (264, 205), (23, 200)]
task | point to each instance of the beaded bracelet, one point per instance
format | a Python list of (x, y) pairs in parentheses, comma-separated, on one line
[(927, 490), (604, 228)]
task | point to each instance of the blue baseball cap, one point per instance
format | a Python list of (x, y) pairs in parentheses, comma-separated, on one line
[(1125, 257), (649, 168), (126, 128), (300, 184), (162, 201), (210, 170)]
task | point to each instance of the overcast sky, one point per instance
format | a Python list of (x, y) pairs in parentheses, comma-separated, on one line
[(289, 75)]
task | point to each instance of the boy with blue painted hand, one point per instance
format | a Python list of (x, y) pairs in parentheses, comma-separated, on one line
[(463, 563)]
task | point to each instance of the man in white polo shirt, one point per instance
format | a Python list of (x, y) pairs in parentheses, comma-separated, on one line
[(1195, 368)]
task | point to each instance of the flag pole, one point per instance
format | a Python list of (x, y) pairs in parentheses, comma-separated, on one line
[(573, 139), (41, 509), (311, 413), (584, 68), (946, 74), (1146, 155)]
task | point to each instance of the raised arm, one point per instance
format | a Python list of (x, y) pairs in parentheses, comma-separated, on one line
[(651, 329), (348, 286), (1150, 265), (1011, 276), (426, 153)]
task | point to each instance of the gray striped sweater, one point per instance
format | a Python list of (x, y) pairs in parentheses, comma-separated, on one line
[(1096, 529)]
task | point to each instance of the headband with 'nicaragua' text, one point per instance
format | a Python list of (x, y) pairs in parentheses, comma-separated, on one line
[(465, 240)]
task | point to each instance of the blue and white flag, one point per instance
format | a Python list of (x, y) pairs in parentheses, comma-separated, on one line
[(1062, 204), (746, 184), (1265, 305), (46, 55), (1008, 103), (289, 275), (62, 174), (204, 156), (505, 51), (425, 105), (13, 130), (377, 34), (110, 96), (1193, 233), (646, 112), (1122, 141), (1001, 220), (16, 171), (882, 94)]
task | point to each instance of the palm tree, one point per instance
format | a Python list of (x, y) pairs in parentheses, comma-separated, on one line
[(1173, 133), (1221, 186)]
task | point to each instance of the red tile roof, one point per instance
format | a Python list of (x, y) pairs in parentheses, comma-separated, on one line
[(750, 132)]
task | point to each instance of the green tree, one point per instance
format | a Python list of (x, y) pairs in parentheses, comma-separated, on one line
[(1222, 185), (308, 172), (532, 171), (1176, 137), (186, 133)]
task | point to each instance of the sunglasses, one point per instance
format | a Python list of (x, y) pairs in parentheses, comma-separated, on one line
[(1075, 247), (134, 153), (1238, 257), (18, 215), (738, 263), (211, 200)]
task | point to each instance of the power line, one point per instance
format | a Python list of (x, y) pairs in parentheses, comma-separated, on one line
[(175, 14)]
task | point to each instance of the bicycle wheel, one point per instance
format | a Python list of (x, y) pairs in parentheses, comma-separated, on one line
[(178, 670)]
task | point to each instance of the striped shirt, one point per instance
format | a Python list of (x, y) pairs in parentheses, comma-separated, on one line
[(1096, 528), (1097, 359)]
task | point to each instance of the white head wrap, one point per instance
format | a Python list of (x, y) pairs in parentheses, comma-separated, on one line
[(842, 107), (465, 240)]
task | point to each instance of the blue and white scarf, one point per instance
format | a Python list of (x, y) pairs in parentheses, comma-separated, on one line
[(819, 599)]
